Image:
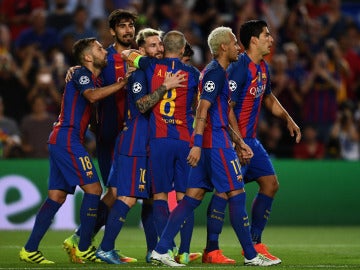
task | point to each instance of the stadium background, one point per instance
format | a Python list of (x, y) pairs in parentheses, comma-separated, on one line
[(321, 192)]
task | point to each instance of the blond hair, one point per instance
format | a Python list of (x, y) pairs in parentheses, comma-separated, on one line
[(218, 36), (143, 34)]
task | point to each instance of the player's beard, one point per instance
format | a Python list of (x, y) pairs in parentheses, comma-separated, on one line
[(100, 64), (125, 42)]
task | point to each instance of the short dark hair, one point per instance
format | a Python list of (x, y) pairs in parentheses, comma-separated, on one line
[(189, 52), (120, 14), (80, 46), (252, 28)]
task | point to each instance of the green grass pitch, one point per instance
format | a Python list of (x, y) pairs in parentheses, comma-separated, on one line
[(299, 248)]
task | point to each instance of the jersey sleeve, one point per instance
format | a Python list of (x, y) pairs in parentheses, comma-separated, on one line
[(212, 84), (138, 87), (144, 62), (237, 77), (83, 81)]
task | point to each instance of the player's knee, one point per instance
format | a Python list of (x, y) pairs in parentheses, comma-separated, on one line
[(94, 188), (269, 185)]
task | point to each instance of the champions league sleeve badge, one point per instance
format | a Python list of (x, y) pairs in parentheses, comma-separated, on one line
[(209, 86)]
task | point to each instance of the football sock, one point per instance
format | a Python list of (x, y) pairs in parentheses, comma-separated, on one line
[(88, 214), (103, 212), (260, 213), (147, 220), (215, 222), (43, 221), (176, 219), (186, 231), (240, 223), (114, 223), (102, 215), (161, 214)]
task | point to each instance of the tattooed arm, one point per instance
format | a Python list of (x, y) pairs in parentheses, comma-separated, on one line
[(171, 81)]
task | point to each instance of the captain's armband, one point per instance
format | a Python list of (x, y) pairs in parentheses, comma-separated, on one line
[(133, 58)]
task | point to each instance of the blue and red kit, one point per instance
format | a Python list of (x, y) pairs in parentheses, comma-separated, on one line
[(110, 112), (249, 84), (129, 170), (173, 116), (70, 164), (219, 166), (171, 123)]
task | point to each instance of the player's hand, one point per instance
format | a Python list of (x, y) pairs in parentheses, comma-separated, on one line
[(194, 156), (129, 71), (174, 80), (294, 129), (70, 73), (244, 153), (126, 53)]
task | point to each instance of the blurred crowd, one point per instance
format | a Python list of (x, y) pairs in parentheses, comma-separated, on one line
[(315, 65)]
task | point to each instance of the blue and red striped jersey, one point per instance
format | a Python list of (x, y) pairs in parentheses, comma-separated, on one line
[(214, 87), (75, 110), (249, 83), (111, 110), (173, 116), (133, 139)]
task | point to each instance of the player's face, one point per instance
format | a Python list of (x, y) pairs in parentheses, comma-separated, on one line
[(233, 49), (99, 55), (154, 47), (265, 42), (124, 32)]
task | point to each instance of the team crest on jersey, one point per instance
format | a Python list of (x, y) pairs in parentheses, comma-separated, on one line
[(136, 88), (84, 80), (263, 76), (209, 86), (232, 85), (141, 188)]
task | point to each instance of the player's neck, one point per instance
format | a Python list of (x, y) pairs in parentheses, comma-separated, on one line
[(172, 55), (223, 61), (95, 71), (119, 48), (256, 58)]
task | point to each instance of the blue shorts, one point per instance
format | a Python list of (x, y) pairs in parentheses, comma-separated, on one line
[(260, 164), (129, 175), (218, 168), (168, 165), (70, 168)]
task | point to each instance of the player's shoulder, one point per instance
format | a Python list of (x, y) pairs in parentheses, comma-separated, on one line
[(137, 75), (243, 60), (111, 49), (192, 69), (214, 69), (82, 75)]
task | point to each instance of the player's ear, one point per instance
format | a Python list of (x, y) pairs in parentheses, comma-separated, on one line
[(254, 40), (112, 32), (223, 46), (142, 50), (88, 57)]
